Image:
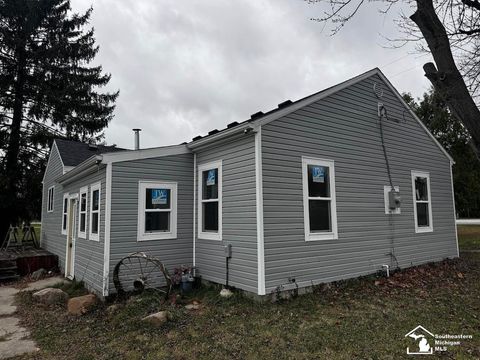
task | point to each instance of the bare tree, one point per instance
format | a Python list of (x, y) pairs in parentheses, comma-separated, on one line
[(450, 29)]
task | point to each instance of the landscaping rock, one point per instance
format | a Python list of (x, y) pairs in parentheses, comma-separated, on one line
[(192, 306), (40, 273), (81, 304), (226, 293), (157, 319), (50, 296)]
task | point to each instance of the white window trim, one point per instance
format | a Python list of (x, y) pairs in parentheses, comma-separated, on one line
[(93, 187), (83, 190), (50, 208), (332, 235), (64, 228), (141, 234), (202, 234), (422, 229)]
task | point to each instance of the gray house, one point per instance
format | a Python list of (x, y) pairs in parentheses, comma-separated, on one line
[(342, 183)]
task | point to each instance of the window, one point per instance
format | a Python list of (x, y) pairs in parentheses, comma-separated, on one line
[(94, 226), (422, 202), (210, 201), (65, 213), (51, 192), (319, 206), (82, 214), (157, 211)]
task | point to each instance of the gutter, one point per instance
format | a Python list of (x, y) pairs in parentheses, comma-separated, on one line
[(79, 171)]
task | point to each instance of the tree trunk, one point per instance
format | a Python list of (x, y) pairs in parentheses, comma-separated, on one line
[(10, 207), (445, 77)]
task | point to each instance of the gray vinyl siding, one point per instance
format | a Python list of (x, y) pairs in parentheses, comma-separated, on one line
[(124, 212), (88, 262), (51, 238), (344, 128), (89, 254), (239, 216)]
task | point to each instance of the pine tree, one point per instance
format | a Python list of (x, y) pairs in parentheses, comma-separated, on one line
[(47, 89)]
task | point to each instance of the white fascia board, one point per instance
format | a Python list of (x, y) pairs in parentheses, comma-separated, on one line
[(314, 98), (54, 147), (255, 124), (397, 94), (129, 155), (80, 170)]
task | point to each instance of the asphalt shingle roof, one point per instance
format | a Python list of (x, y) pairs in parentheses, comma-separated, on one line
[(76, 152)]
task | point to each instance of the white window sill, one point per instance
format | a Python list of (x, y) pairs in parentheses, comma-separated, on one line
[(321, 236), (64, 232), (424, 230), (157, 236), (93, 237), (209, 236), (82, 236)]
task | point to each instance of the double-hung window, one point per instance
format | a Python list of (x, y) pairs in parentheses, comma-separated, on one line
[(422, 201), (319, 205), (51, 193), (157, 210), (82, 214), (64, 213), (210, 201), (94, 226)]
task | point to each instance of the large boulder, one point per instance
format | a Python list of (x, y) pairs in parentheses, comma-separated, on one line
[(50, 296), (81, 304), (157, 319)]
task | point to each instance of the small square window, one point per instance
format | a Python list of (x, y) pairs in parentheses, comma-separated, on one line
[(157, 212)]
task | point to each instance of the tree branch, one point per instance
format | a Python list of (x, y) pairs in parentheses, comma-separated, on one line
[(472, 3)]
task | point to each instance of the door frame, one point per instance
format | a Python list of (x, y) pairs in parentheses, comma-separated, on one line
[(72, 234)]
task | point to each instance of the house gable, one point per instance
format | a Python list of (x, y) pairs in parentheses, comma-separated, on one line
[(343, 128)]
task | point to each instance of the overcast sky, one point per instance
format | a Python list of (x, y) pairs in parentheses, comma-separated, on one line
[(185, 67)]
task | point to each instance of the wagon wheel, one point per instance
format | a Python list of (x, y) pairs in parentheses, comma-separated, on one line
[(138, 271)]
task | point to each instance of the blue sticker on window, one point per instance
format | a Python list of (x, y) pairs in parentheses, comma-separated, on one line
[(211, 177), (318, 174), (159, 196)]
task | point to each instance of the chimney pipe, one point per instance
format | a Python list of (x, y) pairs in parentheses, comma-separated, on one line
[(137, 138)]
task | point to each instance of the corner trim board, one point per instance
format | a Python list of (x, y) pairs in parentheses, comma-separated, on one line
[(259, 211), (194, 207), (454, 210), (108, 215)]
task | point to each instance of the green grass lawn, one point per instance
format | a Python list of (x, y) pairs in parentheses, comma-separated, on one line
[(469, 237), (363, 318)]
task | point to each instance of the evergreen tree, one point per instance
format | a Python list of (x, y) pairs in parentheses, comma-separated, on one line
[(47, 89), (449, 131)]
